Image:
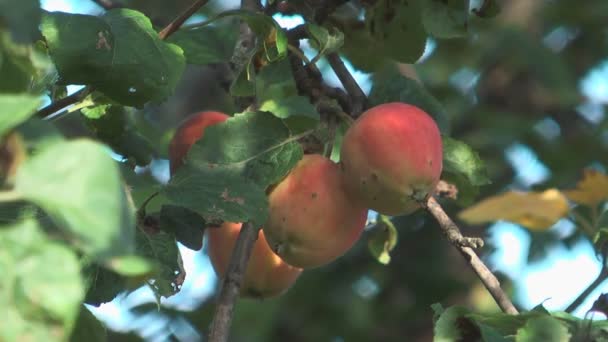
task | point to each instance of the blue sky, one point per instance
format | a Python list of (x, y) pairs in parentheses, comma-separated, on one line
[(554, 281)]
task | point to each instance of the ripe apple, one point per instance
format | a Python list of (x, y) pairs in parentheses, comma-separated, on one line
[(188, 132), (311, 220), (391, 158), (266, 275)]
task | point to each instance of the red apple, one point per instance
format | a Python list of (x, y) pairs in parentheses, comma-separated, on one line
[(188, 132), (391, 158), (266, 275), (311, 220)]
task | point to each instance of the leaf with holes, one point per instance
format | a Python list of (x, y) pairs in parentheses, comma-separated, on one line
[(160, 247), (118, 53)]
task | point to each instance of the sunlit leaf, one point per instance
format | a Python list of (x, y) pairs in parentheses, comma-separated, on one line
[(78, 184), (383, 240), (41, 288), (591, 190), (16, 109), (544, 328), (119, 53), (533, 210)]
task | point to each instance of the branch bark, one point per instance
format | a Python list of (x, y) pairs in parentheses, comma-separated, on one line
[(231, 284), (357, 95), (594, 285), (46, 112), (465, 246)]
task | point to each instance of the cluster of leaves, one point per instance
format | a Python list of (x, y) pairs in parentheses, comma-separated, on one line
[(76, 228)]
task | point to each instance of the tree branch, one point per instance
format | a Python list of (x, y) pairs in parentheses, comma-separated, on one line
[(357, 95), (231, 284), (597, 282), (60, 104), (179, 21), (465, 246)]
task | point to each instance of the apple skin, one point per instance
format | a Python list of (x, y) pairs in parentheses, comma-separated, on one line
[(188, 132), (311, 220), (391, 158), (266, 275)]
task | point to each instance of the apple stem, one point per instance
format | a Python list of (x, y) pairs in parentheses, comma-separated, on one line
[(465, 246)]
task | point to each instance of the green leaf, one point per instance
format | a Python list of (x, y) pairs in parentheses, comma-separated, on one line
[(324, 41), (24, 68), (22, 18), (449, 326), (205, 45), (88, 328), (391, 24), (285, 107), (445, 19), (38, 134), (16, 109), (130, 265), (460, 159), (118, 53), (160, 247), (545, 328), (41, 288), (227, 172), (103, 285), (372, 58), (187, 225), (382, 240), (79, 186), (489, 334), (113, 127), (390, 86), (272, 38), (244, 83)]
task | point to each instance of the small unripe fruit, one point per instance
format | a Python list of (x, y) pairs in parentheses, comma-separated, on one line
[(188, 132), (266, 275), (311, 219), (391, 158)]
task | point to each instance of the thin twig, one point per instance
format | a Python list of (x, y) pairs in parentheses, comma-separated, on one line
[(179, 21), (357, 95), (107, 4), (581, 298), (465, 246), (60, 104), (231, 284)]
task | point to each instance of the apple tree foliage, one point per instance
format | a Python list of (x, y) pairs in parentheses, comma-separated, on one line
[(87, 212)]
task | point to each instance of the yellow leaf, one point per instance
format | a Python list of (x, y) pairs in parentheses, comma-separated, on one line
[(591, 190), (533, 210)]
